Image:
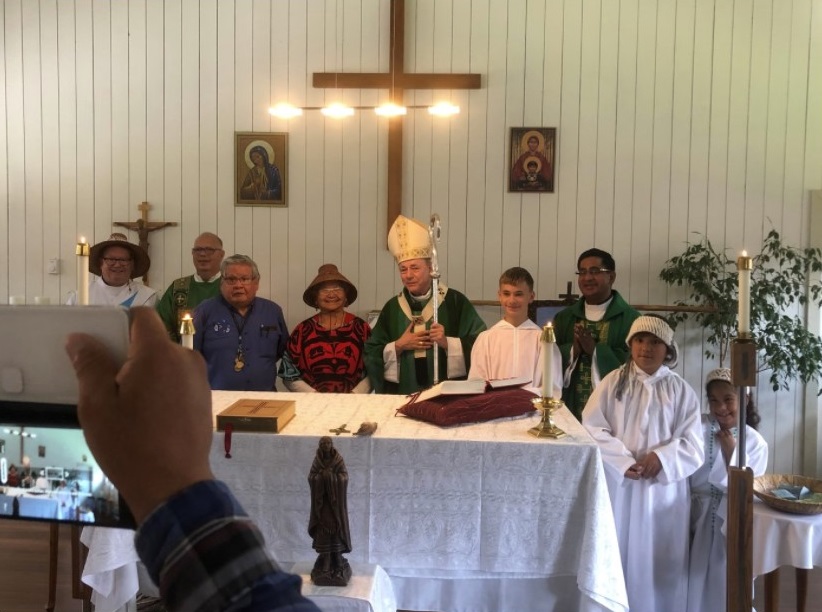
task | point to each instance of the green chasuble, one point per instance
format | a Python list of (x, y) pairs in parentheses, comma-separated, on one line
[(455, 313), (611, 350), (182, 295)]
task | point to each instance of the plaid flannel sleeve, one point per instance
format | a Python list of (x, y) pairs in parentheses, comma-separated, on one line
[(205, 553)]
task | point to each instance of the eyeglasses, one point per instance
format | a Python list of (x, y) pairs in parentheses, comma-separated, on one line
[(204, 250), (330, 290), (237, 280), (116, 261), (592, 271)]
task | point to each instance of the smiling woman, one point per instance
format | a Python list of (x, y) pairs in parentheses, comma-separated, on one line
[(325, 352)]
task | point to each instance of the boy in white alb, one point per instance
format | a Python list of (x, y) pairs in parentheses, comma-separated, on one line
[(511, 348)]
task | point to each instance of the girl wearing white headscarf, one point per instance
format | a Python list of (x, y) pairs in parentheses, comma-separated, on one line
[(645, 418)]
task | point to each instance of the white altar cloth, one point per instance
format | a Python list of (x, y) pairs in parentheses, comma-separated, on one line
[(448, 512), (780, 538), (369, 590)]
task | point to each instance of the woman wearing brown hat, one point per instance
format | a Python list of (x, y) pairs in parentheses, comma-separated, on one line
[(325, 352), (116, 262)]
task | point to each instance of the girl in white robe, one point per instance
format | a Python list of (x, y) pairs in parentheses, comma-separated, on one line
[(709, 488), (646, 420)]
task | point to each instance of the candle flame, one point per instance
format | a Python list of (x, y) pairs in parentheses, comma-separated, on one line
[(82, 239), (186, 317), (744, 253)]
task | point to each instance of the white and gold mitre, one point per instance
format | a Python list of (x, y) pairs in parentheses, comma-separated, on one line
[(408, 239)]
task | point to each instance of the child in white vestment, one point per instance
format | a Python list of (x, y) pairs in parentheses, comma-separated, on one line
[(709, 487), (511, 348), (645, 419)]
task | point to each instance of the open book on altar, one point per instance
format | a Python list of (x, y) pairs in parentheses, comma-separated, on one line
[(469, 387)]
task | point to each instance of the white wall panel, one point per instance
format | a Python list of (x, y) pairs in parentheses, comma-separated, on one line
[(672, 117)]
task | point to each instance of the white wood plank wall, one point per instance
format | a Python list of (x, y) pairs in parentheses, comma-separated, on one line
[(673, 117)]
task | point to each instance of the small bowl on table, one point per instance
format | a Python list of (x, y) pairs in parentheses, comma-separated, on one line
[(763, 485)]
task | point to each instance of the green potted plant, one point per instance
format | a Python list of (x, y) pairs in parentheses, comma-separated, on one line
[(780, 283)]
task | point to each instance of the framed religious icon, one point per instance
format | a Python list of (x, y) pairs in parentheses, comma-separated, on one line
[(261, 169), (532, 160)]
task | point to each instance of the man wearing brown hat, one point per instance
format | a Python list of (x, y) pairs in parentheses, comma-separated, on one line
[(116, 263), (185, 293), (399, 353)]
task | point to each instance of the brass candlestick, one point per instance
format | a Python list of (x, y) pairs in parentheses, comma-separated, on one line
[(546, 427)]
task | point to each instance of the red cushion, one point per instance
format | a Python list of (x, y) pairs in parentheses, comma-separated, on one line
[(446, 410)]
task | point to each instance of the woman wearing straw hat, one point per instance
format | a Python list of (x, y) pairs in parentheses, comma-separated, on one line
[(325, 352), (116, 262)]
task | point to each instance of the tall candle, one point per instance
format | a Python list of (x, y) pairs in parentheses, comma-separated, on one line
[(548, 340), (82, 252), (187, 332), (744, 265)]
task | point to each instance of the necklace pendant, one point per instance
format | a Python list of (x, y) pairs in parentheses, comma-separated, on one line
[(239, 364)]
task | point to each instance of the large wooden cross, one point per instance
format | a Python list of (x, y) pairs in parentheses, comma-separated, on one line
[(396, 80), (144, 227)]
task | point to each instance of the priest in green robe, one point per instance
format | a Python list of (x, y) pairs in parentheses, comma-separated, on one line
[(591, 333), (399, 353), (185, 293)]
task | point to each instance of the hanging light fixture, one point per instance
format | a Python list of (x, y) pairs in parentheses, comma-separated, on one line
[(285, 111), (337, 110), (444, 109), (391, 110)]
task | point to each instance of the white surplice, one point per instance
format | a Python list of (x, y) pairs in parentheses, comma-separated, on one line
[(506, 351), (709, 488), (659, 413), (128, 295)]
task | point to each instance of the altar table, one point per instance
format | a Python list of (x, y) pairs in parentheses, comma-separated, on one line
[(780, 538), (477, 517)]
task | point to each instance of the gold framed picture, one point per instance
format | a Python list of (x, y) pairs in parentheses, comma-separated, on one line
[(532, 160), (261, 168)]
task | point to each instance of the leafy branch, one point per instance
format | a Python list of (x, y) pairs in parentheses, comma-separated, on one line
[(779, 284)]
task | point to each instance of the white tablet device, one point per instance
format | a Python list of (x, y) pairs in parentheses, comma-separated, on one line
[(47, 471), (34, 367)]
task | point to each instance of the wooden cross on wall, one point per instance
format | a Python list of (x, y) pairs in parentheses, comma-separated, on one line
[(397, 81), (144, 227)]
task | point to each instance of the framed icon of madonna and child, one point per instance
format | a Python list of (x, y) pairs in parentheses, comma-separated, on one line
[(532, 160), (261, 169)]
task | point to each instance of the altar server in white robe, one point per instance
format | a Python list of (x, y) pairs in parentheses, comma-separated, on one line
[(646, 420), (709, 488), (512, 348)]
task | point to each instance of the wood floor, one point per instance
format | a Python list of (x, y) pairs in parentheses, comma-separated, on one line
[(24, 556)]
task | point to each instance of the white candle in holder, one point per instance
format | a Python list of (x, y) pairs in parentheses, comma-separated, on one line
[(548, 340), (82, 252), (744, 265), (17, 300), (42, 300), (187, 331)]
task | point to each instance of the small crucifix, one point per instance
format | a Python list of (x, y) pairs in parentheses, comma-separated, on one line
[(396, 80), (144, 227), (340, 429), (568, 296)]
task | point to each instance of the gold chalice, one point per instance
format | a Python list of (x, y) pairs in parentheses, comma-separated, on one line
[(546, 427)]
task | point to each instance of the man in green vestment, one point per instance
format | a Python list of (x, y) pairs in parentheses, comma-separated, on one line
[(399, 353), (185, 293), (591, 333)]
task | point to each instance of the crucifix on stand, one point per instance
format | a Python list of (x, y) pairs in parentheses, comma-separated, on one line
[(144, 227), (396, 80)]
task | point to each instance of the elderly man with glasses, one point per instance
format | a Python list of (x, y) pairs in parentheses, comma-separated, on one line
[(241, 336), (591, 333), (183, 295)]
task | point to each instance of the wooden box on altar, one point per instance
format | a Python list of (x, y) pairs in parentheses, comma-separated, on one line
[(257, 415)]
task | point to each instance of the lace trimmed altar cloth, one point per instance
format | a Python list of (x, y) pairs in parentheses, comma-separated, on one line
[(476, 517)]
